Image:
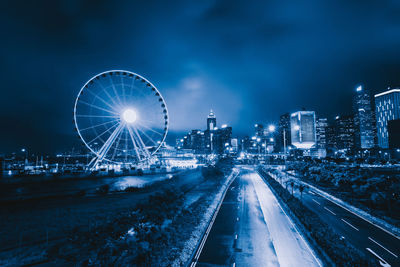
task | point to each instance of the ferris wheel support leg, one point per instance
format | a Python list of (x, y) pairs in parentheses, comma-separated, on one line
[(106, 147), (134, 143), (142, 143)]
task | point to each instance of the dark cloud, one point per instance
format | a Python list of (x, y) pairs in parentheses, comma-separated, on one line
[(248, 60)]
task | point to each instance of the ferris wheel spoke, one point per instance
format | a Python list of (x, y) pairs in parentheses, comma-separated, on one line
[(134, 142), (123, 88), (108, 95), (95, 116), (115, 91), (103, 133), (154, 131), (101, 99), (111, 98), (98, 125), (147, 136), (99, 108)]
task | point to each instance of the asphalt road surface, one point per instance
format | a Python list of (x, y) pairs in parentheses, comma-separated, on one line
[(251, 229), (365, 236)]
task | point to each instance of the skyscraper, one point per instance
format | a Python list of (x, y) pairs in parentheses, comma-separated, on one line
[(222, 139), (363, 119), (284, 132), (387, 108), (211, 121), (210, 132), (344, 132), (302, 125), (321, 125)]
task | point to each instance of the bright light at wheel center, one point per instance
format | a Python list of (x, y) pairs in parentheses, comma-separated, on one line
[(129, 115)]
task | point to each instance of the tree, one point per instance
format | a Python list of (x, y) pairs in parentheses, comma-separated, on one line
[(292, 185), (301, 189)]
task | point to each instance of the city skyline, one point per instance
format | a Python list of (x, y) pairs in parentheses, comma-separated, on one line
[(246, 61)]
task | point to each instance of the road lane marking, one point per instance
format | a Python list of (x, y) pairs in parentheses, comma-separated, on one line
[(382, 246), (311, 192), (358, 215), (234, 264), (376, 255), (350, 225), (316, 202), (237, 218), (235, 236), (329, 210)]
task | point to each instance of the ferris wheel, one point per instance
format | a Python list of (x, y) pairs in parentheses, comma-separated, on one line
[(121, 117)]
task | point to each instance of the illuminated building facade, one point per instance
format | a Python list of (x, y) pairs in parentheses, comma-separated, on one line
[(364, 133), (302, 124), (387, 108)]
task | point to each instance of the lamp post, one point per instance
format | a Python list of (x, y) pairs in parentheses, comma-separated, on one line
[(271, 130), (23, 150)]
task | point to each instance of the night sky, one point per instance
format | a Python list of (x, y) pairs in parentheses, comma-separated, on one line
[(250, 61)]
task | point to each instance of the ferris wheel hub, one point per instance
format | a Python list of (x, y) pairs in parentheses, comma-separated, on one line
[(129, 115)]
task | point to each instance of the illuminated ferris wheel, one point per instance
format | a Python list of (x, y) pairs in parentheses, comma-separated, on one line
[(121, 117)]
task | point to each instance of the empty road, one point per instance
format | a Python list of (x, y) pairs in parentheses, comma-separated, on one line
[(251, 229), (365, 236)]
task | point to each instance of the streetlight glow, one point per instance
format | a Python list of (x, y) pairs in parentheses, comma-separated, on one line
[(271, 128)]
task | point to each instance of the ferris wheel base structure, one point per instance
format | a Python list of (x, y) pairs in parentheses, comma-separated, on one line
[(121, 118)]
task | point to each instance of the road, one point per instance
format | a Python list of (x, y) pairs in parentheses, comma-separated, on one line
[(362, 234), (251, 229)]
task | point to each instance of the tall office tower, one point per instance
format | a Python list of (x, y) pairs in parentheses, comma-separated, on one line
[(363, 119), (210, 132), (302, 124), (330, 132), (211, 121), (344, 132), (387, 108), (284, 132), (320, 130), (222, 139)]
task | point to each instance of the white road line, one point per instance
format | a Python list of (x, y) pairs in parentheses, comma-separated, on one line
[(358, 215), (234, 264), (329, 210), (376, 255), (311, 192), (235, 236), (350, 224), (316, 202), (370, 238), (237, 218)]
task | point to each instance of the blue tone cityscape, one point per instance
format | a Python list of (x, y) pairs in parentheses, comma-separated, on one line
[(215, 133)]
